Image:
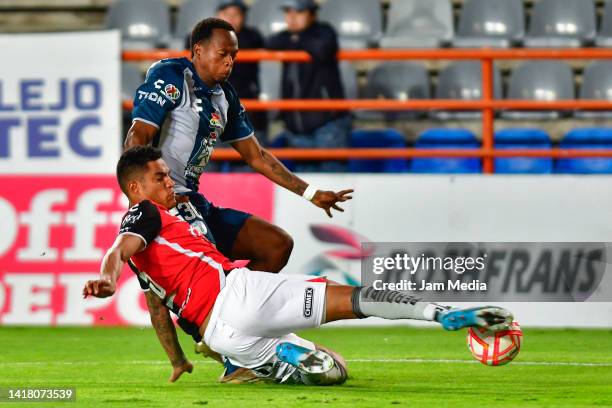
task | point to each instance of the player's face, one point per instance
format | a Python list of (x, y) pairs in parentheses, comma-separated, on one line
[(232, 15), (157, 185), (214, 59)]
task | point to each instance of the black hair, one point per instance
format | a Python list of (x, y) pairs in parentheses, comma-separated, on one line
[(133, 160), (204, 29)]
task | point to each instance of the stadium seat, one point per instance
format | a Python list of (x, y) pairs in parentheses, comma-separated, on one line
[(396, 80), (523, 139), (604, 36), (540, 81), (561, 23), (189, 14), (348, 74), (463, 80), (131, 79), (586, 138), (418, 24), (143, 23), (358, 22), (267, 17), (490, 23), (270, 83), (389, 138), (596, 84), (447, 139)]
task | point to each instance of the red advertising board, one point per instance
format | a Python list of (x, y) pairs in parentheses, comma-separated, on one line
[(56, 229)]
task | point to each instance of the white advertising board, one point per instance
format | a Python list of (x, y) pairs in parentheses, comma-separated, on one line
[(60, 103), (405, 208)]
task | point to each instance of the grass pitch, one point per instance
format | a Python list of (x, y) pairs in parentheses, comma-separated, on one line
[(126, 367)]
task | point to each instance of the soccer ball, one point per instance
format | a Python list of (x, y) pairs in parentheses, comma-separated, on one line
[(495, 348)]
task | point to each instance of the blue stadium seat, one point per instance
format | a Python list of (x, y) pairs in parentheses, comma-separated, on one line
[(447, 139), (389, 138), (586, 138), (523, 139)]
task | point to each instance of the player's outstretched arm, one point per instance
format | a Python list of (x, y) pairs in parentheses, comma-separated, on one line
[(124, 247), (266, 164), (166, 333)]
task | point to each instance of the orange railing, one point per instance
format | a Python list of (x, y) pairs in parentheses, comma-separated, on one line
[(487, 104)]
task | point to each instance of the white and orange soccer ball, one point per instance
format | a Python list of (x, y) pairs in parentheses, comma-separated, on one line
[(495, 348)]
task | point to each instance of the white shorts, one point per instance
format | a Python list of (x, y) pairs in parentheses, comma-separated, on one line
[(256, 311)]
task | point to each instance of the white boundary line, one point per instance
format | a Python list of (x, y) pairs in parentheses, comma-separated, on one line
[(357, 360)]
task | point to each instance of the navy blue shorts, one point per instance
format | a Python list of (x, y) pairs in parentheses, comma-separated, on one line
[(224, 223)]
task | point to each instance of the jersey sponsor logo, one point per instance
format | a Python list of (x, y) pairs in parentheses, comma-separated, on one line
[(308, 297), (129, 219), (215, 120), (172, 92), (152, 96)]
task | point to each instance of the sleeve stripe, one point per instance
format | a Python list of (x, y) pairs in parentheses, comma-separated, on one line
[(136, 235), (146, 121), (240, 138)]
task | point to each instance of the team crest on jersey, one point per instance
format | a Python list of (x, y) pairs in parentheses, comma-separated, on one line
[(172, 91), (215, 120)]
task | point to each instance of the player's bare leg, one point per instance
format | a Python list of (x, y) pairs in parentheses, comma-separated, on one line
[(267, 246)]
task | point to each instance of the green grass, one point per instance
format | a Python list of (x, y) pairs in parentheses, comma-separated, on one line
[(125, 367)]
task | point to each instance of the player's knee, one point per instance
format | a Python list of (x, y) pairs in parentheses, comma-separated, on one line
[(279, 253), (285, 249)]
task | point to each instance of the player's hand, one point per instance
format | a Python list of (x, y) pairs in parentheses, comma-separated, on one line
[(177, 370), (99, 288), (329, 199)]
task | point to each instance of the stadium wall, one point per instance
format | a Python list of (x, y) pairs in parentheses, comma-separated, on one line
[(60, 206), (56, 229), (404, 208)]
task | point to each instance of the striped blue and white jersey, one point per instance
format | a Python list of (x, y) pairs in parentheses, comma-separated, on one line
[(190, 116)]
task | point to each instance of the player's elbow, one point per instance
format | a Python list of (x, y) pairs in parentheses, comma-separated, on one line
[(139, 134), (133, 139), (256, 164)]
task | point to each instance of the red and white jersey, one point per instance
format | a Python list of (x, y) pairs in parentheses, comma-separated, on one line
[(180, 264)]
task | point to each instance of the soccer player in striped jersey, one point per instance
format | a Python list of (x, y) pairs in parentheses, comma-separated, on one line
[(185, 107), (247, 316)]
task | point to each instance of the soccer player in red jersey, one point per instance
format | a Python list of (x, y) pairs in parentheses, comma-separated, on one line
[(186, 106), (246, 316)]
